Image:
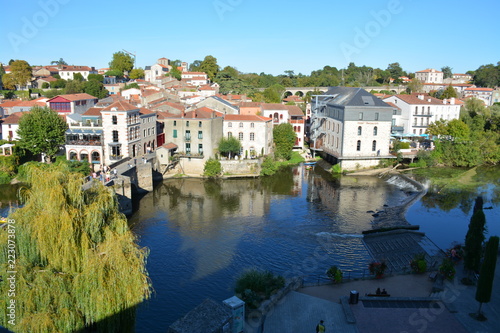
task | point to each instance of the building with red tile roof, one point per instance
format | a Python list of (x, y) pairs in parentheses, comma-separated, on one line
[(483, 94), (430, 75), (72, 103), (254, 132)]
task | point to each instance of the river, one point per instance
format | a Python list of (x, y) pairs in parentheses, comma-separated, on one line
[(203, 234)]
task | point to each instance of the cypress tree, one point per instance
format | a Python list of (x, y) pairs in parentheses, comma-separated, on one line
[(487, 274), (77, 262), (475, 237)]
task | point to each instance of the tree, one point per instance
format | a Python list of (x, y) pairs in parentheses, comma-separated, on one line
[(97, 77), (20, 71), (415, 86), (78, 77), (114, 72), (395, 70), (209, 66), (95, 88), (458, 130), (284, 140), (45, 85), (487, 275), (212, 168), (195, 66), (475, 237), (42, 131), (122, 62), (274, 93), (59, 62), (229, 146), (78, 265), (8, 81), (487, 76), (447, 72), (175, 73), (449, 92), (74, 87), (137, 73)]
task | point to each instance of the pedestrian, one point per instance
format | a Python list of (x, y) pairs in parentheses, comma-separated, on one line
[(101, 177), (320, 327), (115, 172), (378, 292), (108, 176)]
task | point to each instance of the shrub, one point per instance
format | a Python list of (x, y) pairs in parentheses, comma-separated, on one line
[(419, 264), (212, 168), (447, 269), (377, 268), (255, 286), (336, 169), (268, 167), (335, 274)]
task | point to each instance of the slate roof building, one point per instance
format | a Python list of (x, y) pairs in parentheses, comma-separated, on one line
[(351, 127)]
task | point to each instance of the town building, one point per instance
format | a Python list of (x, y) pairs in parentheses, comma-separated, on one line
[(195, 78), (483, 94), (350, 127), (68, 72), (254, 132), (158, 70), (281, 114), (218, 104), (419, 110), (72, 103), (430, 76), (10, 125)]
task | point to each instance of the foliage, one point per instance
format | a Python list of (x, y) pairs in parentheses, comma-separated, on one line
[(229, 146), (59, 62), (195, 66), (137, 73), (449, 92), (97, 77), (487, 76), (447, 269), (335, 274), (114, 72), (78, 77), (419, 264), (209, 66), (73, 87), (20, 72), (487, 273), (377, 268), (42, 130), (131, 85), (95, 88), (175, 73), (395, 70), (447, 72), (212, 168), (474, 238), (336, 169), (77, 261), (45, 85), (274, 93), (53, 93), (122, 62), (255, 286), (269, 167), (284, 140), (415, 86)]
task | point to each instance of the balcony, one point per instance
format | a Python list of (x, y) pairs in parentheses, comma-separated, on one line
[(187, 138), (84, 142), (115, 157), (423, 115), (86, 124)]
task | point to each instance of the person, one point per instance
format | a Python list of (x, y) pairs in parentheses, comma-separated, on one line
[(383, 292), (115, 172), (378, 291), (320, 327)]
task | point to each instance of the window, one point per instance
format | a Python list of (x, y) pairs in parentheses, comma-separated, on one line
[(359, 130), (114, 120), (416, 109), (175, 134), (252, 136), (361, 116), (358, 145), (374, 145), (240, 136), (376, 115), (200, 134), (229, 134), (188, 135), (200, 149), (375, 131), (252, 125), (175, 122), (115, 136), (241, 125), (229, 124), (144, 135), (200, 124), (428, 110), (187, 123), (188, 148)]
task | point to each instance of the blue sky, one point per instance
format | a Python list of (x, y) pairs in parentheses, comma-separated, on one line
[(254, 35)]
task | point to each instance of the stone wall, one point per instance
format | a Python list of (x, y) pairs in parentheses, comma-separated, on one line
[(241, 167)]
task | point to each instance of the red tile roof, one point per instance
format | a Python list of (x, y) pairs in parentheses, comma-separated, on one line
[(427, 99), (93, 112), (9, 104), (169, 146), (393, 105), (478, 89), (120, 106), (75, 97), (429, 70), (244, 117), (250, 104), (146, 111), (13, 119)]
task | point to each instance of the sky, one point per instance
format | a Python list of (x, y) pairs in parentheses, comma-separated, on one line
[(255, 36)]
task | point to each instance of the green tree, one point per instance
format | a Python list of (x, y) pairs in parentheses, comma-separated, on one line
[(137, 73), (42, 130), (447, 72), (95, 88), (458, 130), (8, 81), (74, 87), (475, 237), (195, 66), (77, 263), (415, 86), (97, 77), (45, 85), (60, 83), (78, 77), (131, 85), (209, 66), (274, 93), (59, 62), (395, 70), (114, 72), (230, 146), (487, 275), (487, 76), (175, 73), (449, 92), (212, 168), (284, 140), (20, 71), (122, 62)]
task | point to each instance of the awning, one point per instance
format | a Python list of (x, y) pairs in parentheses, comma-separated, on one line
[(74, 131), (92, 131)]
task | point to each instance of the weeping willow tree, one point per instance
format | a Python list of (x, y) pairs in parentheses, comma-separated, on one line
[(78, 265)]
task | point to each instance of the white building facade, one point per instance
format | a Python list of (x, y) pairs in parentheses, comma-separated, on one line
[(254, 132)]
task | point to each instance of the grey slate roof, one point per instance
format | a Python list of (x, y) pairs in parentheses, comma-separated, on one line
[(208, 317), (348, 96)]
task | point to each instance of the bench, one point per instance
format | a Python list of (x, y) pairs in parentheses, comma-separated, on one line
[(377, 295), (433, 276)]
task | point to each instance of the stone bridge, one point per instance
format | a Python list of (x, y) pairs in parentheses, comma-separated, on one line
[(305, 90)]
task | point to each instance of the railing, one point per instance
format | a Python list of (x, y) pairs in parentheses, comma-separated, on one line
[(321, 279), (83, 142), (86, 124), (187, 138), (115, 157)]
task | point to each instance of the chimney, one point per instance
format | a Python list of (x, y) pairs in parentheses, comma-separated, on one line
[(429, 100), (452, 101), (421, 97)]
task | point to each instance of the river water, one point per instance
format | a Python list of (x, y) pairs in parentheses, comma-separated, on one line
[(203, 234)]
